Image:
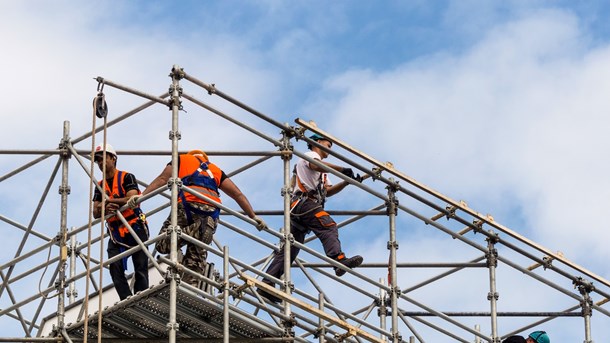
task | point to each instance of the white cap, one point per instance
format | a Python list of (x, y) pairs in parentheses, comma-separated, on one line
[(109, 149)]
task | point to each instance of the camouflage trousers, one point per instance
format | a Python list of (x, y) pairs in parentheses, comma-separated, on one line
[(202, 228)]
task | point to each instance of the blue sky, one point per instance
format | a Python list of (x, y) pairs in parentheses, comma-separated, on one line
[(502, 104)]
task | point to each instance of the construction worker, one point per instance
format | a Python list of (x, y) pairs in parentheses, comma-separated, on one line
[(307, 212), (196, 217), (119, 187), (534, 337)]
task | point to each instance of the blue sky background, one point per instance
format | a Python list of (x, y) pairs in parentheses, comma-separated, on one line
[(502, 104)]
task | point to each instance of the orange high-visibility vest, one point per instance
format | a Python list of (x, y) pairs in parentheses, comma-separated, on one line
[(200, 175), (116, 227)]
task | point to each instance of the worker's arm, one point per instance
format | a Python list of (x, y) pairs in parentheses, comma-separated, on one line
[(122, 201), (334, 189), (160, 181), (235, 193), (320, 169)]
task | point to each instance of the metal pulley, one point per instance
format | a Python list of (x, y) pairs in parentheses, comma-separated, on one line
[(99, 102), (99, 105)]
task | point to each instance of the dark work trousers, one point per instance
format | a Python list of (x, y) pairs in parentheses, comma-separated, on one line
[(309, 215), (140, 266)]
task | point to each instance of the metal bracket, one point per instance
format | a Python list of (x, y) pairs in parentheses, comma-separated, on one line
[(171, 228), (286, 190), (391, 244), (494, 295), (173, 326), (176, 134), (170, 274), (492, 257), (584, 286), (212, 89), (376, 173), (177, 73), (299, 132), (478, 226), (64, 190), (75, 293), (346, 335), (239, 290), (177, 181), (288, 285), (286, 152), (393, 187), (64, 152), (493, 237), (288, 325), (291, 131)]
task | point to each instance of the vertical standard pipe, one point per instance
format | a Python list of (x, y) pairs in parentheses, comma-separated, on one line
[(72, 294), (64, 190), (588, 338), (393, 246), (586, 303), (174, 135), (477, 328), (225, 302), (287, 193), (321, 328), (383, 310), (492, 263)]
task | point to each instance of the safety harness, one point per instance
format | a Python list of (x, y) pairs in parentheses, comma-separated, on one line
[(317, 195), (118, 232), (204, 180)]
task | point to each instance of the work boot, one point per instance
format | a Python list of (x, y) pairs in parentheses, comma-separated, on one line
[(351, 262), (268, 296)]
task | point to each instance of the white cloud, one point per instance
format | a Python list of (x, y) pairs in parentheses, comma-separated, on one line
[(519, 114)]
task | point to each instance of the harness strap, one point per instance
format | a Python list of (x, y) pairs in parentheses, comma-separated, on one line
[(119, 181)]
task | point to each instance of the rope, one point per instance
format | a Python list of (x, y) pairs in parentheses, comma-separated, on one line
[(88, 274), (44, 296), (97, 108), (102, 222)]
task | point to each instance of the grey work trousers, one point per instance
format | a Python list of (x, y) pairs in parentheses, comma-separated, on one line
[(309, 215)]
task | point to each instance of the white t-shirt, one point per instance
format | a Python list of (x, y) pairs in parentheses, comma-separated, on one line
[(308, 177)]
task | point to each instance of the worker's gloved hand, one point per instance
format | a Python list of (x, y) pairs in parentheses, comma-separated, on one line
[(132, 202), (260, 223), (348, 172)]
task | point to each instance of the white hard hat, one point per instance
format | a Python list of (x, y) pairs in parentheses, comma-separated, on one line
[(109, 149)]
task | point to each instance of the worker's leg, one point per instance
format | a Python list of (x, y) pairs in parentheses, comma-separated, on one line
[(322, 225), (325, 228), (276, 268), (195, 257), (117, 271), (140, 262), (163, 246)]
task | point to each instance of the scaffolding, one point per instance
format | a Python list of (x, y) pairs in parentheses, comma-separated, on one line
[(377, 302)]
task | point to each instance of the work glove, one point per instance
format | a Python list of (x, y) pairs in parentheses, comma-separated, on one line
[(348, 172), (260, 223), (132, 202)]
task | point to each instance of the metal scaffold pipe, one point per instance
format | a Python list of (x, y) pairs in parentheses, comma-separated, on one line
[(176, 104)]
